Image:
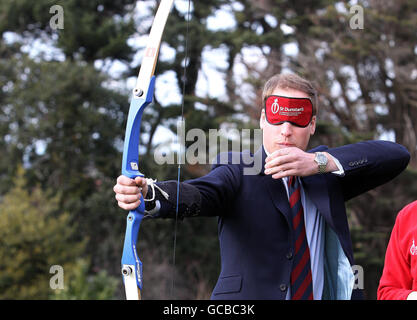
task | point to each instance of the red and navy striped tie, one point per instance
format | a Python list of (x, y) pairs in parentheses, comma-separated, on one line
[(301, 279)]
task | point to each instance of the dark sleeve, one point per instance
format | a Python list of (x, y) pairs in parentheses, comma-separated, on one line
[(210, 195), (164, 205), (369, 164)]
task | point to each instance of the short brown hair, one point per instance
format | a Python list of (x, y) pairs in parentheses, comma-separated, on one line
[(291, 81)]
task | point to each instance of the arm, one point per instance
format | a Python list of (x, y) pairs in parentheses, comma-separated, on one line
[(209, 195), (293, 161), (218, 189), (369, 164), (366, 165)]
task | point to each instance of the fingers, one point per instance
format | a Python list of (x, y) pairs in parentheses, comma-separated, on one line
[(285, 173), (290, 162), (125, 181), (127, 198), (281, 171), (278, 161), (129, 206), (126, 185), (128, 202), (123, 189), (140, 181), (143, 186), (283, 163), (128, 192), (277, 154)]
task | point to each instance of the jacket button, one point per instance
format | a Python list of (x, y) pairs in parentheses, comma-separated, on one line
[(283, 287), (289, 255)]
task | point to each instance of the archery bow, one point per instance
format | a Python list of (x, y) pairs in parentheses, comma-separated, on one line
[(142, 96)]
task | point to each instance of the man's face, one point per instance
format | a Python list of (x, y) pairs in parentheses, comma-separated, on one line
[(286, 135)]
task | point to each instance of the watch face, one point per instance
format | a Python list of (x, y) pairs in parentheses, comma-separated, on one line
[(321, 158)]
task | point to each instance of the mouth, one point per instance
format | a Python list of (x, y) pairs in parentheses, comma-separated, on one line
[(286, 144)]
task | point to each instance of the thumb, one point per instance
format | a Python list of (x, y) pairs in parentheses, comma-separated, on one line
[(141, 183)]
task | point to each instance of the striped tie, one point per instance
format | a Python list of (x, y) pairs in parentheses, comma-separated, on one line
[(301, 279)]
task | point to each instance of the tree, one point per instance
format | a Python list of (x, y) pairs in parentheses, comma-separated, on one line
[(81, 285), (33, 237)]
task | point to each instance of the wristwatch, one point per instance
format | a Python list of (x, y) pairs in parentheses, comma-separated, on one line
[(321, 160)]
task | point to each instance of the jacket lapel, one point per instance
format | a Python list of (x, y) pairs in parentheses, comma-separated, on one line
[(279, 197), (275, 188), (317, 190)]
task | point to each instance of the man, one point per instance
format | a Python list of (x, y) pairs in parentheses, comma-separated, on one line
[(399, 278), (281, 237)]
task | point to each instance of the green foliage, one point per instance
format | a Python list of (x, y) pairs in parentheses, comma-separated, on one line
[(81, 285), (34, 235), (91, 28)]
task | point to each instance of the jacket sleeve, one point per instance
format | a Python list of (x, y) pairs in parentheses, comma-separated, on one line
[(209, 195), (218, 188), (396, 280), (369, 164)]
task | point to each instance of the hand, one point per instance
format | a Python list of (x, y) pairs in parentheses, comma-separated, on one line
[(128, 191), (293, 161)]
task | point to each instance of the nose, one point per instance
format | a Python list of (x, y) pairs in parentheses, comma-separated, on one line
[(286, 129)]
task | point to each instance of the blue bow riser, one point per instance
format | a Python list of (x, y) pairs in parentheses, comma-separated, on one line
[(131, 265)]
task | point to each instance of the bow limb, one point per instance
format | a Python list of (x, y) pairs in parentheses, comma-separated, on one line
[(142, 96)]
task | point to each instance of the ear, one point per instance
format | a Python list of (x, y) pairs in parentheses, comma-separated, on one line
[(262, 119), (313, 125)]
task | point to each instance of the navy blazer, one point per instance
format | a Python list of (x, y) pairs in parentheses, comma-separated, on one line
[(255, 234)]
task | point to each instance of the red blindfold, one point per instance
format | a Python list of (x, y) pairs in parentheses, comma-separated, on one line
[(297, 111)]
